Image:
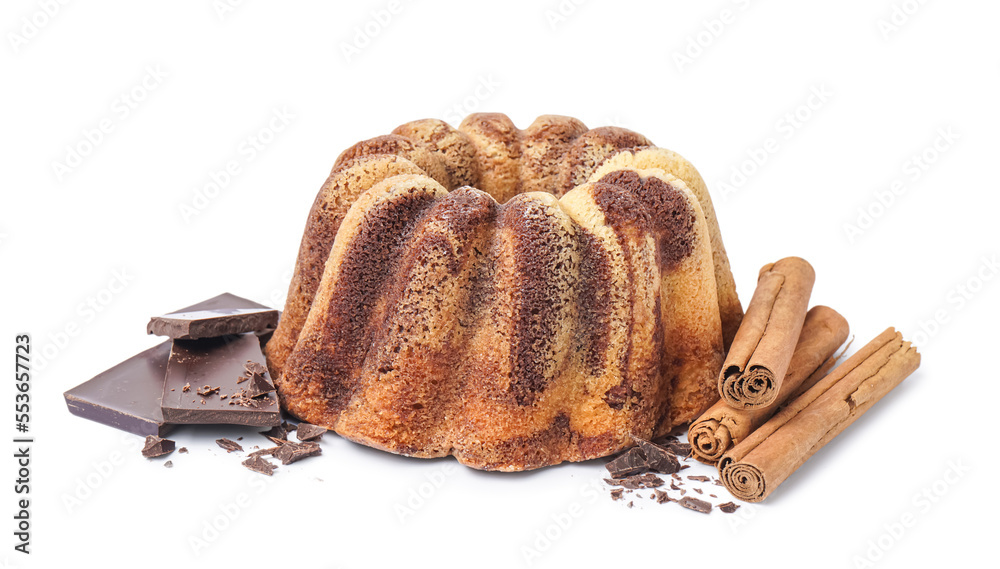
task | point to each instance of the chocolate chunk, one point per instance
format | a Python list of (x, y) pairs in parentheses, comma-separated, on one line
[(289, 427), (128, 396), (278, 432), (155, 446), (307, 432), (229, 445), (674, 486), (662, 496), (183, 450), (258, 464), (236, 318), (696, 504), (292, 452), (658, 458), (699, 490), (265, 451), (252, 367), (728, 507), (216, 361), (637, 481), (616, 494), (628, 463), (168, 464), (699, 478), (679, 449), (630, 504), (259, 385)]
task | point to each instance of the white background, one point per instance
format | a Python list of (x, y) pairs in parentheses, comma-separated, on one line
[(181, 88)]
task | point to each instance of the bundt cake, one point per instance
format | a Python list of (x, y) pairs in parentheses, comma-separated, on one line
[(513, 298)]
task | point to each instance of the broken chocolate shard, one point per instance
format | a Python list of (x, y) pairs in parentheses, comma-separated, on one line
[(182, 450), (168, 464), (265, 451), (252, 367), (155, 446), (258, 464), (216, 361), (307, 432), (229, 445), (616, 494), (696, 504), (289, 427), (658, 458), (276, 432), (214, 322), (259, 385), (728, 507), (699, 478), (628, 463), (680, 449), (662, 496), (293, 452), (648, 480)]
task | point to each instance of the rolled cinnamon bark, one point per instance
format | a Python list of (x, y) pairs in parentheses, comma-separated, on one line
[(722, 426), (754, 468), (762, 349)]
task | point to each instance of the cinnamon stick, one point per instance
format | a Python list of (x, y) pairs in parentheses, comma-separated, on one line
[(754, 468), (722, 426), (763, 347)]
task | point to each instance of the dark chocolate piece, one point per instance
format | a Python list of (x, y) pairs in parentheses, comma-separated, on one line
[(289, 427), (662, 496), (276, 432), (155, 446), (628, 463), (630, 504), (307, 432), (699, 478), (258, 464), (728, 507), (259, 385), (264, 452), (183, 450), (128, 396), (680, 449), (658, 458), (616, 494), (292, 452), (216, 361), (168, 464), (252, 367), (229, 445), (696, 504), (699, 490), (648, 480), (206, 391), (213, 322)]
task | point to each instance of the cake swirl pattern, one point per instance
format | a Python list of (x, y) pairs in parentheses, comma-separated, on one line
[(513, 298)]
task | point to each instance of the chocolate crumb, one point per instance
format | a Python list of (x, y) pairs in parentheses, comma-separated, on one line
[(186, 388), (168, 464), (258, 464), (630, 504), (696, 504), (183, 450), (616, 494), (208, 391), (155, 446), (229, 445), (699, 490), (699, 478), (662, 497)]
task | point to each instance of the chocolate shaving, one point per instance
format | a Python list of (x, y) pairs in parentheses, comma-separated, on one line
[(270, 451), (658, 458), (628, 463), (696, 504), (229, 445), (258, 464), (662, 496), (728, 507), (307, 432), (648, 480), (292, 452), (616, 494), (206, 391), (699, 478), (155, 446)]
